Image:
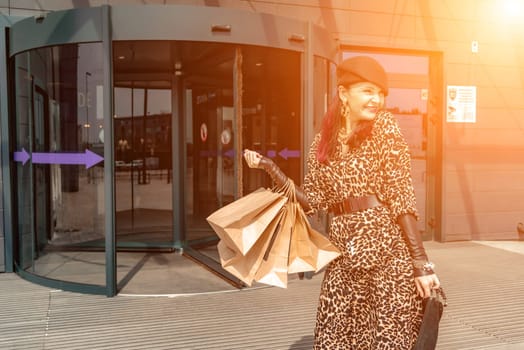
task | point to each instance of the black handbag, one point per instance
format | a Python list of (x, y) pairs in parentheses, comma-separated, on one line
[(433, 308)]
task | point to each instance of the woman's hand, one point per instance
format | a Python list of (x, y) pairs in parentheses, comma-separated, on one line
[(426, 283), (252, 158)]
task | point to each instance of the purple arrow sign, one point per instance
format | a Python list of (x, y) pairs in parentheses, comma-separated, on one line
[(213, 153), (271, 154), (21, 156), (230, 153), (88, 158), (285, 153)]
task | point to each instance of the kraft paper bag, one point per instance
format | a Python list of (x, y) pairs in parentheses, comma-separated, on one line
[(309, 249), (326, 251), (241, 223), (227, 254), (244, 267), (303, 253), (273, 269), (286, 244)]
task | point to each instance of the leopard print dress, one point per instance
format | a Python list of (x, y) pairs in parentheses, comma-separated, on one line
[(368, 296)]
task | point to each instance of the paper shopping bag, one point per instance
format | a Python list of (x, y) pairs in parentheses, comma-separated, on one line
[(326, 251), (242, 222), (244, 267), (273, 269), (303, 253), (309, 249), (227, 254)]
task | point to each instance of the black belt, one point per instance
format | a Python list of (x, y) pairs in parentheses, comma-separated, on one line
[(353, 204)]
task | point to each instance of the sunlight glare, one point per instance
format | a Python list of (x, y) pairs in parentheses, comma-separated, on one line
[(512, 8)]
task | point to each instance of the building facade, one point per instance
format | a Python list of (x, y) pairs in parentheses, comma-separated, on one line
[(174, 75)]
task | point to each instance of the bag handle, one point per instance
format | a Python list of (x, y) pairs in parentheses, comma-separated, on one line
[(440, 295), (288, 190)]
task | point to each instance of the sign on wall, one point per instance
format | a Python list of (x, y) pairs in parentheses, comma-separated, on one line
[(461, 104)]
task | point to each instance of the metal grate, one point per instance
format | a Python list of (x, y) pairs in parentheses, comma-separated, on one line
[(484, 286)]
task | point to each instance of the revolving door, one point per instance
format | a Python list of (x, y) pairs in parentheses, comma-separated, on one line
[(203, 90), (163, 118)]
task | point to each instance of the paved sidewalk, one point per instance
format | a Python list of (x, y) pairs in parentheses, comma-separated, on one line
[(484, 283)]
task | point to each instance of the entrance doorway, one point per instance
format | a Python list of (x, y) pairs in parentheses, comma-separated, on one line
[(143, 167), (221, 99), (125, 142), (413, 85)]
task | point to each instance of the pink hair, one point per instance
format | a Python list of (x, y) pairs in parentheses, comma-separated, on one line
[(331, 123)]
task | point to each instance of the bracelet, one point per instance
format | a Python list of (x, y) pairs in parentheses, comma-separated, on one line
[(425, 266)]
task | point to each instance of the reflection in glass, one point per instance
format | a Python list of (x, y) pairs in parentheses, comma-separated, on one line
[(408, 101), (143, 165), (272, 113), (203, 78), (60, 204)]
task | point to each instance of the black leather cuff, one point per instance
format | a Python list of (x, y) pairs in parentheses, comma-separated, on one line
[(422, 272), (423, 268)]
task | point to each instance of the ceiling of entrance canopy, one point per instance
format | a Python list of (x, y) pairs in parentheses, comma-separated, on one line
[(155, 64)]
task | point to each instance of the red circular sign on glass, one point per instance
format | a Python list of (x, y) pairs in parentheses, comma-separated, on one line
[(203, 132)]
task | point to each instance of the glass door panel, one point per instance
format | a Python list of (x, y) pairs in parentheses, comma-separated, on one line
[(411, 113), (208, 83), (271, 124), (59, 162), (209, 162), (42, 190), (209, 113), (143, 186), (272, 117), (408, 101)]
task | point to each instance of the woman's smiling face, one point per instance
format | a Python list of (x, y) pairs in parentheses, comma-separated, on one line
[(364, 100)]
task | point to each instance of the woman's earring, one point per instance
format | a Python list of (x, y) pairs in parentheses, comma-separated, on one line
[(344, 110)]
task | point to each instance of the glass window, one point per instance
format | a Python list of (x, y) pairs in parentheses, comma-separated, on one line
[(271, 112), (59, 162), (143, 186), (407, 100)]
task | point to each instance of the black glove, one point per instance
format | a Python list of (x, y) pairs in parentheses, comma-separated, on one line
[(280, 179), (421, 265)]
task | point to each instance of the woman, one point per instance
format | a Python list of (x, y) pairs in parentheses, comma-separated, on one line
[(359, 171)]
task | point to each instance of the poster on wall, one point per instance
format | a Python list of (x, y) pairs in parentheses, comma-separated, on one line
[(461, 104)]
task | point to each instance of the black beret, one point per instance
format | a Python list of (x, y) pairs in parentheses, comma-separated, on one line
[(360, 69)]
